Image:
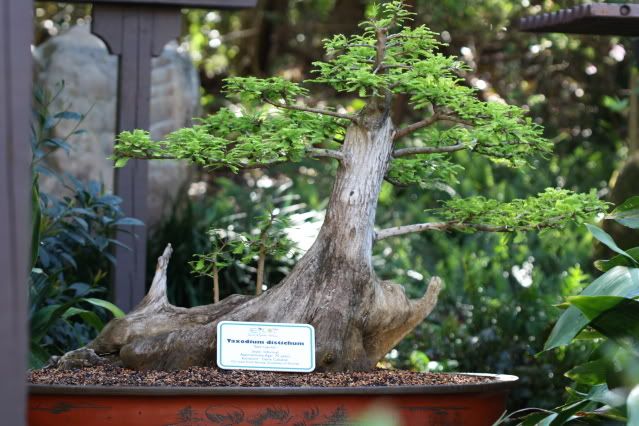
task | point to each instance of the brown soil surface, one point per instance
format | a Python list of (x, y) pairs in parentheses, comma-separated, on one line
[(199, 376)]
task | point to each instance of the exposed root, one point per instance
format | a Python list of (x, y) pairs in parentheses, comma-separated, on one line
[(156, 299), (79, 358), (155, 316), (354, 328), (393, 315)]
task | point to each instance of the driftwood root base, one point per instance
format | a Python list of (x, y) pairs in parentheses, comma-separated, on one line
[(159, 336)]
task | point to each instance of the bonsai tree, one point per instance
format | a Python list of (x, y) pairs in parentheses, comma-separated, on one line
[(357, 317), (271, 239), (219, 257)]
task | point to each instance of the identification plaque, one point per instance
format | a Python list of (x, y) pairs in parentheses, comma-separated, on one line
[(265, 346)]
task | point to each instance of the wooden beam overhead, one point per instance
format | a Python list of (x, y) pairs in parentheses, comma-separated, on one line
[(200, 4), (595, 19)]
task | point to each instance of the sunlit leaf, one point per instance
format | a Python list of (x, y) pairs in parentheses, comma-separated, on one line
[(590, 373), (619, 281), (615, 317), (618, 260), (117, 312), (606, 239), (627, 213)]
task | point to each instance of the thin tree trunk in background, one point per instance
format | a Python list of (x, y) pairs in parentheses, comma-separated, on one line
[(269, 17), (345, 17), (275, 35), (633, 119), (216, 284), (260, 270)]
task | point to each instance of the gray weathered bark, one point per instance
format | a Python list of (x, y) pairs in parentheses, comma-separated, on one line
[(357, 317)]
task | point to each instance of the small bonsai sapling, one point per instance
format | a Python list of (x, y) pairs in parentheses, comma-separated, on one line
[(223, 245), (271, 240), (358, 318), (227, 247)]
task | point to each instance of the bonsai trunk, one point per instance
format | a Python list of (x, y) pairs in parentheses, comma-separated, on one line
[(357, 317)]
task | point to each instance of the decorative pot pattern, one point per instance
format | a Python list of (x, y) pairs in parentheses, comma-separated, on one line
[(459, 405)]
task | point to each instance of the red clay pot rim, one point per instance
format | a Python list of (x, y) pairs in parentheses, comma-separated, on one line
[(502, 382)]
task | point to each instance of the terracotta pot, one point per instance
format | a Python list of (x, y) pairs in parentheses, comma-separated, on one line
[(474, 404)]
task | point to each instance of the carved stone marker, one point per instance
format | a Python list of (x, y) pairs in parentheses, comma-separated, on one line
[(136, 31), (90, 76)]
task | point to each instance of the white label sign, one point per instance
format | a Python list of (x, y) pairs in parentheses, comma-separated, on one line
[(265, 346)]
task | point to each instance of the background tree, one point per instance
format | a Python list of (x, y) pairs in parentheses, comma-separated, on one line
[(358, 317), (270, 240), (222, 246)]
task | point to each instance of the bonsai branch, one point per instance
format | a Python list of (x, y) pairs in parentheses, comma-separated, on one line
[(453, 226), (312, 152), (403, 152), (429, 122), (380, 48), (395, 182), (322, 111), (401, 66), (328, 153)]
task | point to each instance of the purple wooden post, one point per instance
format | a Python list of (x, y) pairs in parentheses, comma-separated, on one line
[(16, 33), (137, 30)]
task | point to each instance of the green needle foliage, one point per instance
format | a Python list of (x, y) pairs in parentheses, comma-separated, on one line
[(235, 140), (423, 170), (272, 237), (553, 208), (410, 66), (271, 240)]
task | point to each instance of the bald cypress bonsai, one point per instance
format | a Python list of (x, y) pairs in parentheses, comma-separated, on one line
[(358, 318)]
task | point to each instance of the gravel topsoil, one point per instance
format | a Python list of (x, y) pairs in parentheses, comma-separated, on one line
[(203, 376)]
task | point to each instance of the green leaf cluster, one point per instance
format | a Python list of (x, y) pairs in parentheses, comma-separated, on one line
[(388, 58), (432, 81), (502, 132), (73, 237), (235, 140), (423, 170), (226, 246), (253, 90), (223, 244), (498, 131), (553, 208), (353, 65), (271, 236)]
